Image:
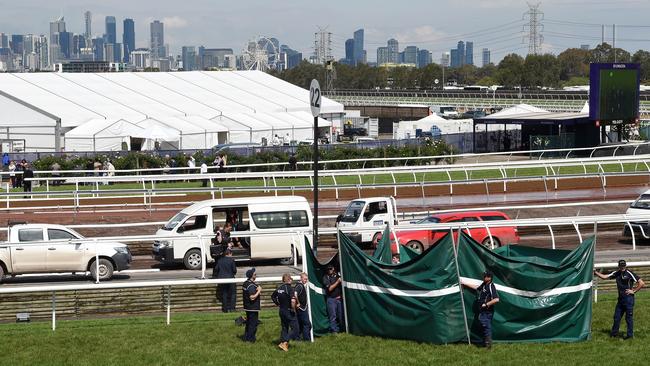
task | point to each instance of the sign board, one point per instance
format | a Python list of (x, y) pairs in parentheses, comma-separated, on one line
[(614, 93), (314, 98)]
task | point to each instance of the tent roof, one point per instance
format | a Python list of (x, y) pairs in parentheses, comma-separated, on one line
[(517, 109), (106, 128)]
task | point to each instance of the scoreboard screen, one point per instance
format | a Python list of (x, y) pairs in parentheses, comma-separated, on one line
[(614, 93)]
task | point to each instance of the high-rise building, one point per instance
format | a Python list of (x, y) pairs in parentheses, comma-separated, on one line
[(98, 48), (411, 55), (111, 30), (188, 57), (359, 54), (4, 40), (141, 58), (382, 55), (88, 22), (56, 27), (349, 51), (424, 58), (109, 52), (458, 55), (157, 39), (393, 51), (469, 53), (453, 58), (486, 57), (215, 57), (17, 44), (128, 38), (65, 44)]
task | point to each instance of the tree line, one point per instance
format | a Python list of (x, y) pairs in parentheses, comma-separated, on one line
[(569, 68)]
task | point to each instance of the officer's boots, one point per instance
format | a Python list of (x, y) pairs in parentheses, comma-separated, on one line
[(488, 342)]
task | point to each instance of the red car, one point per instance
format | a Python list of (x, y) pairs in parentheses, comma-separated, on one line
[(421, 239)]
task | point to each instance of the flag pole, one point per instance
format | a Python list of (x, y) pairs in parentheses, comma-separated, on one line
[(305, 268), (460, 285), (345, 308)]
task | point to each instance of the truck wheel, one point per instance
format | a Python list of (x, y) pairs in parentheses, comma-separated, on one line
[(192, 259), (415, 245), (2, 274), (105, 270)]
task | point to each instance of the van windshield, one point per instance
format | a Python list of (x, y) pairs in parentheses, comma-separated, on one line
[(353, 211), (643, 202), (171, 224)]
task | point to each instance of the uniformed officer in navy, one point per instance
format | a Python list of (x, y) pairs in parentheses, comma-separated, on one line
[(284, 297), (486, 299), (251, 295), (628, 283), (225, 268), (302, 312), (332, 283)]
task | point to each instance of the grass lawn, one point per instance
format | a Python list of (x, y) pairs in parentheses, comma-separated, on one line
[(212, 338)]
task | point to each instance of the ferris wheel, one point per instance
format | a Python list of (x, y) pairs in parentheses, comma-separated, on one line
[(261, 54)]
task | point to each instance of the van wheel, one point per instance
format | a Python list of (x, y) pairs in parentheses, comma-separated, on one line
[(105, 270), (415, 245), (192, 259), (289, 260), (488, 244), (2, 274)]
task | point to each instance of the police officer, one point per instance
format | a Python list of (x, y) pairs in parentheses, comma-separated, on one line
[(226, 268), (486, 299), (251, 294), (625, 282), (284, 297), (304, 325), (332, 282)]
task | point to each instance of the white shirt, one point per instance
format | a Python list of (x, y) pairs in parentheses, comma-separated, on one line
[(191, 163), (204, 168)]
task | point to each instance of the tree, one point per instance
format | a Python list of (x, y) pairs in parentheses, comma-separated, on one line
[(643, 58), (510, 70), (428, 76), (604, 53), (540, 71), (573, 62)]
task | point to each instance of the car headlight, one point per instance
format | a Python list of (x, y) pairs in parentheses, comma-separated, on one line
[(163, 243), (122, 250)]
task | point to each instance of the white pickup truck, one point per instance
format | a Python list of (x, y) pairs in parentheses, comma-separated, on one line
[(45, 248)]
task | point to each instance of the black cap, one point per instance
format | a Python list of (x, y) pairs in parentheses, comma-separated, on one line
[(250, 272), (487, 274), (622, 263)]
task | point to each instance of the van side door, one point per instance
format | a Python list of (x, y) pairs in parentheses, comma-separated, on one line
[(26, 255)]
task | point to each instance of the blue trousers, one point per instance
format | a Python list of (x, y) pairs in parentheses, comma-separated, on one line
[(251, 326), (485, 318), (335, 314), (624, 305), (289, 324), (304, 324)]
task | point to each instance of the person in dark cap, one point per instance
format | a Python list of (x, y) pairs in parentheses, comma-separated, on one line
[(627, 283), (332, 282), (251, 294), (285, 298), (485, 301)]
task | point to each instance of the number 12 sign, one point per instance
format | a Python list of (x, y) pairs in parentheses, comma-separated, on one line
[(314, 98)]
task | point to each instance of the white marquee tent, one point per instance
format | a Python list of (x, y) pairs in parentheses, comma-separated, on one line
[(204, 108)]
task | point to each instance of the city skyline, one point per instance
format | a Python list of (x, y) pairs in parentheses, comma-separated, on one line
[(189, 25)]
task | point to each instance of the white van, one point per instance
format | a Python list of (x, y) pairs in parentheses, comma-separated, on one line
[(254, 214), (639, 207), (368, 213)]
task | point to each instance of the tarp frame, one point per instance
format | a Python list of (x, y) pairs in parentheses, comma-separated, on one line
[(460, 284)]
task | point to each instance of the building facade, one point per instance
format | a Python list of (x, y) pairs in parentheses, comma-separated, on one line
[(128, 38), (157, 39)]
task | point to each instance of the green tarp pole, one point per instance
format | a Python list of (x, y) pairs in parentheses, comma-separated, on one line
[(345, 307), (460, 283), (305, 268)]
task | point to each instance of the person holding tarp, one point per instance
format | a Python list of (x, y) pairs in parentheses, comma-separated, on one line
[(487, 298), (332, 282), (625, 283), (302, 312)]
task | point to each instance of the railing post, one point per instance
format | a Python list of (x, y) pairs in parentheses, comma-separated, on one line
[(487, 191), (577, 230), (211, 187), (550, 229), (632, 233), (53, 311), (203, 257), (490, 236), (96, 261), (47, 188), (144, 192), (8, 191), (169, 303)]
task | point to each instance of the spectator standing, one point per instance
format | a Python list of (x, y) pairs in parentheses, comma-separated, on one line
[(251, 298), (275, 141), (56, 173), (97, 167), (27, 173), (332, 282), (20, 167), (226, 268), (293, 162), (285, 298), (628, 284), (216, 163), (302, 311), (12, 173)]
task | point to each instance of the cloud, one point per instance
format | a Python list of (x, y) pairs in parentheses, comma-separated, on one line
[(422, 34), (174, 22)]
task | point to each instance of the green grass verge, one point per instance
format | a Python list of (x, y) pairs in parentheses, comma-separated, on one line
[(213, 339)]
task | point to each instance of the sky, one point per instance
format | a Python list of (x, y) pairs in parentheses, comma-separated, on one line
[(432, 24)]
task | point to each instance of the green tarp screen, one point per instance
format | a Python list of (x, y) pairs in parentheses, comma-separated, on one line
[(316, 271)]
